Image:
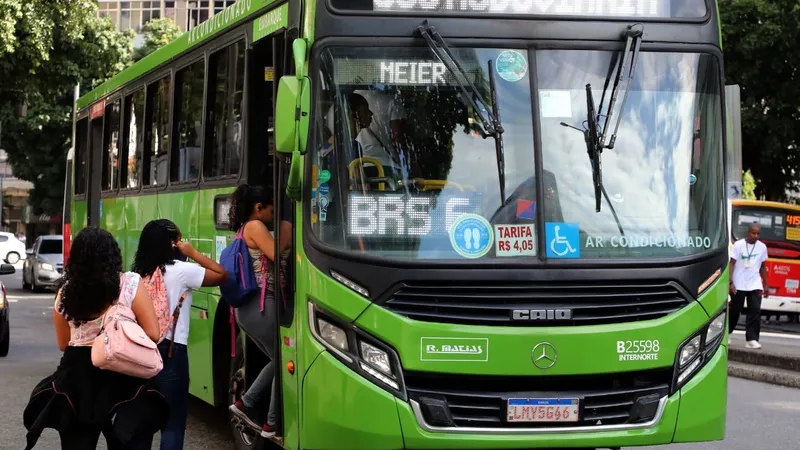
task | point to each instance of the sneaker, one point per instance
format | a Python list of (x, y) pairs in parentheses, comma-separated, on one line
[(249, 415), (753, 344), (267, 431)]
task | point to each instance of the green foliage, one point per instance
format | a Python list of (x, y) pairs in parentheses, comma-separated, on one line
[(157, 33), (748, 186), (46, 48), (759, 41)]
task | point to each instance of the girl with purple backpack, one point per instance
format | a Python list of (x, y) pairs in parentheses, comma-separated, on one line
[(252, 209)]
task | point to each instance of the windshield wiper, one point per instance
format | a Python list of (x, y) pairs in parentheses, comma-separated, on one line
[(490, 120), (594, 136)]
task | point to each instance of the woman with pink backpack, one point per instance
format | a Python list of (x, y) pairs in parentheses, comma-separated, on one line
[(160, 260), (100, 314)]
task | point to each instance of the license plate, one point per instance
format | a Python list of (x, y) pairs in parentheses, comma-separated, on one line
[(543, 410), (792, 284)]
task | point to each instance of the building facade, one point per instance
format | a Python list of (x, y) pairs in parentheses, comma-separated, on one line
[(133, 15)]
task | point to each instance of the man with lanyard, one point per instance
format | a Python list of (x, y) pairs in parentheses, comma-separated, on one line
[(748, 281)]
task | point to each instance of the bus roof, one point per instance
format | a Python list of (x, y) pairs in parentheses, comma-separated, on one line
[(765, 204), (232, 16)]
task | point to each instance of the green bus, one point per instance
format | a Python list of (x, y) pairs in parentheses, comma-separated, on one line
[(510, 225)]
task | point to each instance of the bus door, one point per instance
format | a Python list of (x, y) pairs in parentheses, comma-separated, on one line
[(270, 59), (267, 66)]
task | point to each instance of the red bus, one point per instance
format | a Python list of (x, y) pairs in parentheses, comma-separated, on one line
[(780, 231)]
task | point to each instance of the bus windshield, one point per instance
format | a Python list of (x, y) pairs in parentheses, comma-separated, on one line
[(779, 228), (399, 155)]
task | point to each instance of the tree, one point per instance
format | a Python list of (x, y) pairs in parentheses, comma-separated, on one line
[(748, 186), (157, 33), (46, 48), (759, 39)]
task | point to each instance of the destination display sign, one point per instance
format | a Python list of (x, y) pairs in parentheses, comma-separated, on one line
[(588, 8), (400, 71)]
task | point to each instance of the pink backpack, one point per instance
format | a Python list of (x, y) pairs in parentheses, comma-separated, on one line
[(122, 345), (158, 295)]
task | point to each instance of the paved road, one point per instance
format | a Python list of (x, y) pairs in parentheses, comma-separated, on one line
[(34, 355), (760, 416)]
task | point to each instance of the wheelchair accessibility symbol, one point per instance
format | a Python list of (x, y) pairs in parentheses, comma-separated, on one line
[(563, 240)]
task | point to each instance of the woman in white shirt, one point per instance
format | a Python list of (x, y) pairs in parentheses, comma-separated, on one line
[(161, 248)]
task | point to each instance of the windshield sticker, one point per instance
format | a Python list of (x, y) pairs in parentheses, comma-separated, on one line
[(692, 179), (792, 234), (220, 243), (324, 202), (526, 209), (563, 240), (515, 240), (324, 176), (779, 220), (512, 66), (648, 241), (324, 189), (643, 350), (555, 104), (471, 236), (454, 349)]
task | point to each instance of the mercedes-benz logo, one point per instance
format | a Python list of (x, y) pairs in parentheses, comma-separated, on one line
[(544, 355)]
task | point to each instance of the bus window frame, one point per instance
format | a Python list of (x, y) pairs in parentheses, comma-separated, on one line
[(152, 81), (117, 96), (241, 33), (317, 249), (82, 115), (221, 45), (710, 8), (128, 91), (174, 120)]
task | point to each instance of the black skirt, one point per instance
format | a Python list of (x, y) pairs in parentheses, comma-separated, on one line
[(79, 395)]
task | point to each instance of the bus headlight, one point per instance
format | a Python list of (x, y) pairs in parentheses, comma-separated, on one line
[(333, 335), (358, 350), (698, 349)]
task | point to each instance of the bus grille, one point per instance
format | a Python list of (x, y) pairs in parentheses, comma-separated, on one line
[(543, 304), (480, 401)]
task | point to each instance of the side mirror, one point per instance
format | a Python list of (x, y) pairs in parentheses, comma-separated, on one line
[(285, 112), (7, 269), (292, 117)]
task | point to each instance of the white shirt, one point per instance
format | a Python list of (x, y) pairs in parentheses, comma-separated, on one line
[(372, 147), (749, 258), (179, 278)]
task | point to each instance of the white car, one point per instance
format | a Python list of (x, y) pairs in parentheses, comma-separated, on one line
[(12, 250)]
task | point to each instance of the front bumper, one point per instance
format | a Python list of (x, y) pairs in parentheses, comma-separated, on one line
[(780, 304), (4, 320), (342, 410), (47, 278)]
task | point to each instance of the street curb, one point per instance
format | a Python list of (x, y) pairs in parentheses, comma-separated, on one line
[(763, 374), (762, 358)]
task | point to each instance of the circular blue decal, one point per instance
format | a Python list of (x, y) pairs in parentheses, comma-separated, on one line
[(471, 236), (692, 179), (324, 189), (512, 66)]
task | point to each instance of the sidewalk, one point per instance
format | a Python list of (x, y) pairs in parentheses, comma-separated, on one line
[(778, 362)]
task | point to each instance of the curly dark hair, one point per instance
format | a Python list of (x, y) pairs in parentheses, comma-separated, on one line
[(91, 280), (155, 247), (243, 199)]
